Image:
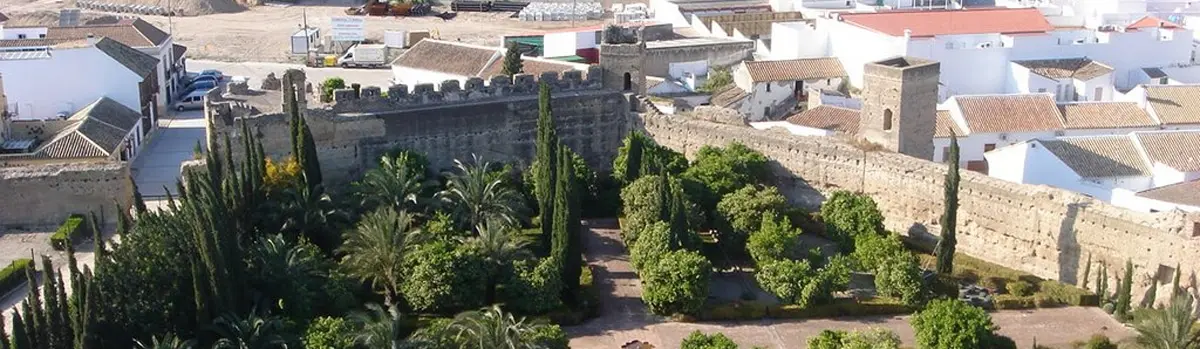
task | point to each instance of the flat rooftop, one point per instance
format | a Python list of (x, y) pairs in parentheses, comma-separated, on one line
[(699, 41)]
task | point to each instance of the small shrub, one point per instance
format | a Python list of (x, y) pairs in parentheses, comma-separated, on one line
[(548, 337), (954, 324), (1108, 308), (1008, 301), (329, 333), (995, 284), (700, 340), (328, 86), (67, 232), (14, 274), (1019, 288), (1099, 341)]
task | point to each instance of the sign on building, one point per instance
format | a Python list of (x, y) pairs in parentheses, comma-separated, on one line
[(349, 28)]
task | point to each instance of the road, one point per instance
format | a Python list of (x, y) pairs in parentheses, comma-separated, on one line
[(624, 318), (255, 71)]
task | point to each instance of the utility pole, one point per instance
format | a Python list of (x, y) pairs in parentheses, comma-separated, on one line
[(307, 40)]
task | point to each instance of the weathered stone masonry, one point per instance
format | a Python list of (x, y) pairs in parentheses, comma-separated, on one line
[(496, 121), (1045, 231), (43, 196)]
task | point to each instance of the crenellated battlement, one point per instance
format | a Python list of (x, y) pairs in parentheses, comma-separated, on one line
[(399, 97)]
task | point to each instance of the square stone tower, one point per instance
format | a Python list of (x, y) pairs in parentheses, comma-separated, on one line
[(900, 105), (622, 54)]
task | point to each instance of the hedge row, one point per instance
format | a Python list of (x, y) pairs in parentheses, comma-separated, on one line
[(13, 275), (67, 232), (841, 307), (1051, 294)]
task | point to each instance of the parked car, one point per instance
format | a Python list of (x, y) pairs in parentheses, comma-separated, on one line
[(199, 86), (193, 100), (199, 78), (207, 72)]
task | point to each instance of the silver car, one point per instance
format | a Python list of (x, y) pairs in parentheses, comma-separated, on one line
[(194, 100)]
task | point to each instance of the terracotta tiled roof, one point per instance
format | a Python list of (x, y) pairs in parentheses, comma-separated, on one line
[(1178, 149), (1185, 193), (448, 57), (131, 32), (728, 97), (535, 66), (795, 69), (1174, 104), (1150, 22), (140, 63), (1154, 73), (1088, 115), (1075, 68), (950, 22), (827, 117), (98, 130), (943, 125), (1009, 113), (1099, 157)]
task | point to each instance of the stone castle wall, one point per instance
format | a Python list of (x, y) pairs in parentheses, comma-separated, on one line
[(1045, 231), (496, 121), (43, 196)]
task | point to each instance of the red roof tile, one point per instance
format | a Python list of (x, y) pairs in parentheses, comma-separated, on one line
[(1151, 22), (943, 22)]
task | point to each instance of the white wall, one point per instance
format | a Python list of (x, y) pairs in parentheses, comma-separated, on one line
[(1087, 89), (767, 95), (1031, 163), (29, 32), (1129, 199), (559, 44), (412, 77), (665, 11), (790, 40), (1165, 175), (70, 80), (856, 46), (676, 70), (793, 128)]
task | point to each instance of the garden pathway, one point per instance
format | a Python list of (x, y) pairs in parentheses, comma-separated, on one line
[(624, 318)]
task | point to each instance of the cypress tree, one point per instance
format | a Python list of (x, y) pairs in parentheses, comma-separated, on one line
[(946, 244), (37, 317), (681, 233), (633, 158), (664, 198), (92, 306), (1151, 295), (20, 338), (66, 333), (1175, 290), (138, 204), (1100, 282), (562, 227), (1125, 292), (512, 61), (4, 335), (30, 328), (1087, 270), (547, 165), (311, 165), (573, 262), (52, 310)]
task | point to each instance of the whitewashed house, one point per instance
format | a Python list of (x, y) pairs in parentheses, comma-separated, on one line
[(1183, 196), (55, 78), (773, 88), (1174, 107), (976, 46), (1111, 168), (434, 61), (103, 131), (1069, 79)]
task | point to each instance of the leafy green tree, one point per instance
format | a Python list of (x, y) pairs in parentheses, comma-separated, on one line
[(566, 243), (379, 327), (873, 251), (312, 213), (328, 86), (785, 278), (774, 240), (874, 338), (476, 194), (900, 277), (827, 339), (512, 60), (643, 205), (289, 275), (952, 324), (329, 333), (499, 245), (653, 243), (701, 340), (375, 250), (724, 170), (1172, 327), (546, 172), (532, 287), (678, 284), (949, 221), (655, 160), (494, 328), (547, 337), (169, 341), (741, 212), (717, 79), (848, 215), (443, 278), (395, 183), (1124, 293), (250, 332)]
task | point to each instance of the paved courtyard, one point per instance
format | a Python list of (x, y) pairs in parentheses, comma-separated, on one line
[(158, 163), (624, 318)]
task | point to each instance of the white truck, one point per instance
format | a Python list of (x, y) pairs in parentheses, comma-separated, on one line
[(365, 56)]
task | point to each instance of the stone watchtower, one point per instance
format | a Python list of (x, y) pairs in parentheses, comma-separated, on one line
[(622, 53), (900, 105)]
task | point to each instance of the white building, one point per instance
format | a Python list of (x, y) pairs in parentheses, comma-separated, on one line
[(136, 33), (1110, 168), (102, 131), (1069, 79), (773, 88), (1174, 107), (434, 61), (1181, 196), (975, 47), (52, 79)]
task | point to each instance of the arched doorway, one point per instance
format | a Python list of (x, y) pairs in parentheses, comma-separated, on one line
[(887, 119), (628, 82)]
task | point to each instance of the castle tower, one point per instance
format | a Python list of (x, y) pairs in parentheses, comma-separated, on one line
[(900, 105), (622, 53)]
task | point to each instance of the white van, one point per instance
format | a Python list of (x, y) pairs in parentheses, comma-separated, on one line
[(194, 100)]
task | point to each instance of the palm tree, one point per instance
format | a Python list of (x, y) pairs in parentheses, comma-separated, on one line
[(167, 342), (1171, 327), (499, 245), (394, 183), (374, 251), (493, 328), (287, 273), (380, 328), (251, 332), (477, 194), (313, 214)]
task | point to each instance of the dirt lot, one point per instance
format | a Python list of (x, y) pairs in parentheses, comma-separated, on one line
[(262, 33)]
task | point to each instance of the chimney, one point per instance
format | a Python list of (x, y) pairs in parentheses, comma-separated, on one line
[(91, 39)]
